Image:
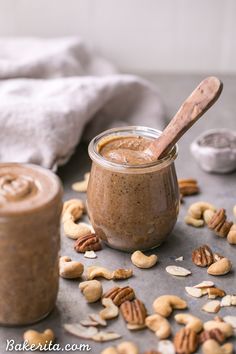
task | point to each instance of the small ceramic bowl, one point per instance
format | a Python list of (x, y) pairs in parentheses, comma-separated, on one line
[(215, 150)]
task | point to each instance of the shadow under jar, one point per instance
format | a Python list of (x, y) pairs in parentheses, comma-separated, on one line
[(131, 206), (30, 208)]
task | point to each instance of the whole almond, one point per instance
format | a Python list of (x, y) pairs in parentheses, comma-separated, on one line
[(221, 267)]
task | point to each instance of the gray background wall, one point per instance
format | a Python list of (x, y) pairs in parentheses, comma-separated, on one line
[(138, 35)]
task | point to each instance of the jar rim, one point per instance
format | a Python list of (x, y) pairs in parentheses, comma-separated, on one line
[(129, 130)]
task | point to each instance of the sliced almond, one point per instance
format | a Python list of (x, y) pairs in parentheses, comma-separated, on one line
[(88, 323), (166, 347), (135, 327), (212, 306), (178, 271), (105, 336), (213, 293), (90, 254), (205, 284), (79, 331), (225, 301), (179, 259), (97, 318), (195, 292)]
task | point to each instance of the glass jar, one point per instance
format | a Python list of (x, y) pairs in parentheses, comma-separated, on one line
[(30, 208), (132, 207)]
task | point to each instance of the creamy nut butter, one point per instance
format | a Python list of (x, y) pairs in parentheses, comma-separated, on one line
[(30, 207), (133, 201)]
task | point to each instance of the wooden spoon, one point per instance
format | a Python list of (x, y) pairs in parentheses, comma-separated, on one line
[(200, 100)]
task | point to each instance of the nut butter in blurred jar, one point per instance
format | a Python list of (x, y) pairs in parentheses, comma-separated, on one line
[(30, 207), (132, 203)]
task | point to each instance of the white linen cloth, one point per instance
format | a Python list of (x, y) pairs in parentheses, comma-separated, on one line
[(51, 88)]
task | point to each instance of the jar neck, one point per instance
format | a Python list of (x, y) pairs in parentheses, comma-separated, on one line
[(128, 132)]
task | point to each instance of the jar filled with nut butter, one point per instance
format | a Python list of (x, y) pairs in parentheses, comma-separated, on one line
[(30, 208)]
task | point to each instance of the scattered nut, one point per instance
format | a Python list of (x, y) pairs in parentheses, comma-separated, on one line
[(110, 311), (219, 224), (190, 321), (127, 348), (120, 295), (212, 347), (217, 257), (215, 334), (87, 243), (80, 331), (75, 231), (98, 319), (231, 237), (197, 209), (221, 267), (207, 215), (141, 261), (37, 338), (96, 271), (212, 306), (188, 186), (195, 292), (105, 336), (215, 292), (231, 320), (72, 209), (228, 300), (88, 323), (82, 185), (189, 220), (90, 254), (205, 284), (178, 271), (69, 269), (165, 304), (134, 312), (202, 256), (92, 290), (179, 259), (224, 327), (158, 324), (120, 274), (165, 347), (186, 341), (135, 327)]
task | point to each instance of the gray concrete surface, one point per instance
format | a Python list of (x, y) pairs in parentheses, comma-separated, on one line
[(148, 284)]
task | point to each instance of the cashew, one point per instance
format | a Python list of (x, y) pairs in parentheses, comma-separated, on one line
[(165, 304), (110, 311), (95, 272), (141, 261), (75, 231), (221, 267), (212, 347), (197, 209), (92, 290), (36, 338), (72, 208), (231, 237), (69, 269), (127, 348), (225, 327), (207, 215), (189, 220), (81, 186), (190, 321), (158, 324)]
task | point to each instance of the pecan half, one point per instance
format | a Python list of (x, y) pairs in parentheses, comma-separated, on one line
[(188, 186), (203, 256), (215, 334), (120, 295), (134, 312), (87, 243), (219, 224), (186, 341)]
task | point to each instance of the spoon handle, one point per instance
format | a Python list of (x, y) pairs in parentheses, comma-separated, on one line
[(200, 100)]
